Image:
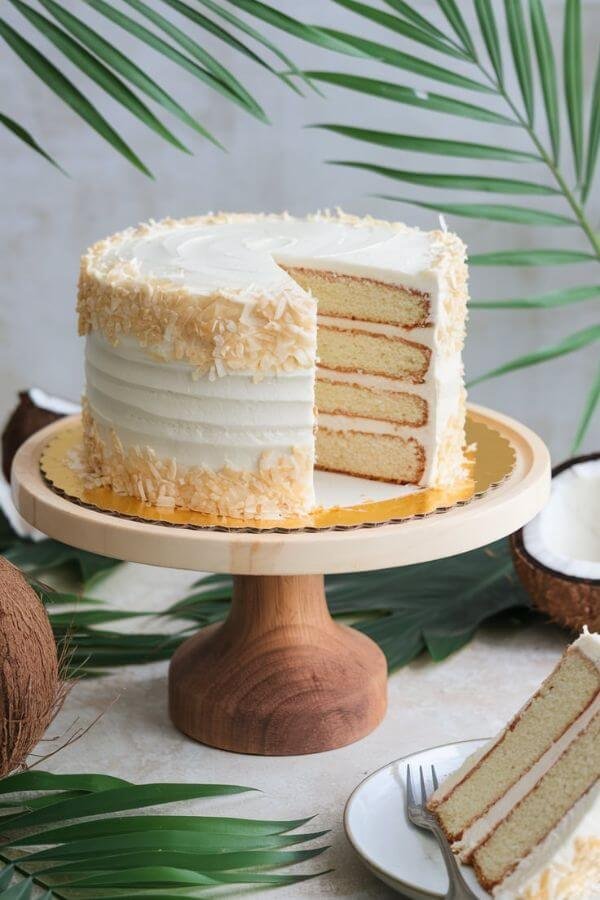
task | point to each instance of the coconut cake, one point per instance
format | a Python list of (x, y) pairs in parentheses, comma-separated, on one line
[(524, 811), (229, 355)]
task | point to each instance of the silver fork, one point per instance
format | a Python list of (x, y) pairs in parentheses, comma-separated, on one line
[(419, 815)]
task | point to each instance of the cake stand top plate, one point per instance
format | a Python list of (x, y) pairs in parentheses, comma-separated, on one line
[(487, 518)]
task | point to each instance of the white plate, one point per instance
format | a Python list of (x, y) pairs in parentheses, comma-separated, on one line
[(403, 856)]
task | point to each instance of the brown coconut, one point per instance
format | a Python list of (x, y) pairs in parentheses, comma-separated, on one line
[(30, 687), (570, 601), (27, 418)]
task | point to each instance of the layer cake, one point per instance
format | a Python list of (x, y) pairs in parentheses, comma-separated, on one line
[(228, 355)]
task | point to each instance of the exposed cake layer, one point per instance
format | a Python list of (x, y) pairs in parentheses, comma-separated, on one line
[(365, 299), (346, 398), (489, 775), (531, 820), (566, 864), (358, 349), (476, 833), (379, 455)]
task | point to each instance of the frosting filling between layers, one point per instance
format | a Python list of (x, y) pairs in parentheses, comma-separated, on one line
[(482, 827)]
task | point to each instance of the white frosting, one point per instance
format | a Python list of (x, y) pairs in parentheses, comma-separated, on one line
[(474, 835), (565, 536), (588, 643), (419, 335), (338, 422), (554, 857), (229, 420), (244, 251)]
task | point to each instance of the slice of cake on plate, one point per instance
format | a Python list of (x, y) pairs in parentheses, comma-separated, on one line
[(525, 810), (206, 337)]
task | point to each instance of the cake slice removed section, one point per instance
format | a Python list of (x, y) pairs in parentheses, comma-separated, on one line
[(549, 717)]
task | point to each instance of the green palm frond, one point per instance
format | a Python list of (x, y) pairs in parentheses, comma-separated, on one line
[(67, 834), (26, 137), (569, 344), (119, 76)]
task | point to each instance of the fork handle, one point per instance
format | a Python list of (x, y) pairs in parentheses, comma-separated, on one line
[(458, 888)]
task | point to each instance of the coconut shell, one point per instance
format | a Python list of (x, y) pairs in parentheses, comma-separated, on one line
[(29, 671), (25, 420), (569, 601)]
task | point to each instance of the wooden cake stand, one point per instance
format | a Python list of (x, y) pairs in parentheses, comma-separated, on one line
[(280, 676)]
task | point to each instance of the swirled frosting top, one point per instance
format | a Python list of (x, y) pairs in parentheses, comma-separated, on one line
[(232, 254)]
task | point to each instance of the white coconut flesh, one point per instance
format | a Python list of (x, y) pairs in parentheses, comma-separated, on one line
[(565, 536), (53, 404)]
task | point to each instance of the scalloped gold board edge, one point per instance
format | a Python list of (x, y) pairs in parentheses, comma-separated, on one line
[(491, 462), (494, 515)]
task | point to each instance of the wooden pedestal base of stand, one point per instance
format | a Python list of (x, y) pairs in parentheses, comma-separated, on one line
[(279, 677)]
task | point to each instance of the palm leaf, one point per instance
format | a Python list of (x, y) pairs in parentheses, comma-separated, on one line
[(547, 72), (461, 182), (411, 97), (39, 557), (167, 50), (319, 36), (573, 79), (259, 38), (545, 301), (588, 411), (415, 64), (399, 26), (209, 61), (489, 30), (122, 64), (70, 856), (68, 93), (517, 33), (98, 72), (594, 136), (27, 138), (407, 11), (495, 212), (439, 146), (530, 258), (568, 345), (452, 13)]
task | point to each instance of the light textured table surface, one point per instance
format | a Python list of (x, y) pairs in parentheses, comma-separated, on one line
[(470, 695)]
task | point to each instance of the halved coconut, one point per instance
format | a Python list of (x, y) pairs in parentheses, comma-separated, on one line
[(557, 555)]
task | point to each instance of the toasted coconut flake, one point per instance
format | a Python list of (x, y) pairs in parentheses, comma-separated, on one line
[(281, 486)]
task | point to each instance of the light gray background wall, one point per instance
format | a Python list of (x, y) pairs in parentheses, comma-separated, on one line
[(47, 219)]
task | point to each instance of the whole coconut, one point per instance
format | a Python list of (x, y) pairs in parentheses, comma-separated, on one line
[(29, 671)]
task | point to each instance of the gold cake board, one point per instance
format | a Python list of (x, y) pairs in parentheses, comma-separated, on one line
[(279, 676), (491, 460)]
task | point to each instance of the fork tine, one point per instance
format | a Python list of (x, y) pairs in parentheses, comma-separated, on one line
[(434, 778), (410, 797), (423, 788)]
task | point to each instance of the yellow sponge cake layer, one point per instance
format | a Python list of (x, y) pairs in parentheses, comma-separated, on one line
[(577, 770), (381, 457), (351, 350), (365, 299), (370, 403), (556, 706)]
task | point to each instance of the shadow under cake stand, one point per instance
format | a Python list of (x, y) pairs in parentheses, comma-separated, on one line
[(279, 676)]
